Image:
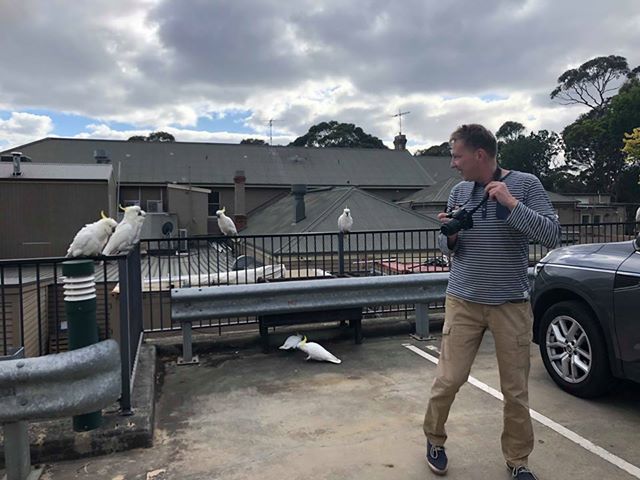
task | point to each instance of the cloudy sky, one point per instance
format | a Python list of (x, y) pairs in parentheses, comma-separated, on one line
[(217, 71)]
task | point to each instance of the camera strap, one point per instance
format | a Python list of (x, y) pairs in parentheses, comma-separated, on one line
[(496, 177)]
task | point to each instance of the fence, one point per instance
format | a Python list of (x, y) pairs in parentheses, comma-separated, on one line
[(32, 305), (32, 313)]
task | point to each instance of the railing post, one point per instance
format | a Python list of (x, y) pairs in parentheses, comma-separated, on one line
[(125, 355), (341, 253), (422, 323)]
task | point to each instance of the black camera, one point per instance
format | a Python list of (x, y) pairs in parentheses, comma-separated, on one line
[(460, 220)]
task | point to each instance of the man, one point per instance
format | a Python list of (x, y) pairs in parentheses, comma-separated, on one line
[(489, 289)]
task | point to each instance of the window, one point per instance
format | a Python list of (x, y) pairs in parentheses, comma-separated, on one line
[(596, 219), (131, 203), (586, 219), (214, 203)]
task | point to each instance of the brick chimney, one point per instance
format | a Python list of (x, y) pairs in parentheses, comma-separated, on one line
[(240, 210), (400, 142)]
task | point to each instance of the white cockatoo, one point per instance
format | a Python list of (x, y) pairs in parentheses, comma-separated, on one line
[(127, 233), (91, 238), (225, 224), (345, 221), (317, 352), (291, 342)]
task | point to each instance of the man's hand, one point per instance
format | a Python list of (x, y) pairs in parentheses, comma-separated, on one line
[(499, 192), (451, 240)]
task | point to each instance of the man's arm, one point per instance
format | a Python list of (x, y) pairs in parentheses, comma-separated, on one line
[(535, 216)]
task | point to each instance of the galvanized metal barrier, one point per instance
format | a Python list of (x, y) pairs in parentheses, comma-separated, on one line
[(196, 304), (53, 386)]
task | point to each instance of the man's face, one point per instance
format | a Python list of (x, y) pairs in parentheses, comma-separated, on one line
[(465, 159)]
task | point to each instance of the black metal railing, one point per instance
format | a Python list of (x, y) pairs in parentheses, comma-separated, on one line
[(32, 312), (31, 289)]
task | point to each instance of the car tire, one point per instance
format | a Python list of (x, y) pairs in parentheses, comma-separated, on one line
[(574, 351)]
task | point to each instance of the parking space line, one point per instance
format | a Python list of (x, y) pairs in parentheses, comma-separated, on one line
[(547, 422)]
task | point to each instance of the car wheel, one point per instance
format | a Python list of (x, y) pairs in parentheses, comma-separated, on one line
[(573, 350)]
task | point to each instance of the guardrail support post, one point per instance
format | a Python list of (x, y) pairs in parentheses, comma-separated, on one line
[(422, 323), (187, 347), (17, 455)]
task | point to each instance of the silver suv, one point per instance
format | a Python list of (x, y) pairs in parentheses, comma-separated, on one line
[(586, 304)]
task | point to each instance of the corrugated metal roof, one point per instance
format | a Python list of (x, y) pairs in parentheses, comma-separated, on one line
[(439, 193), (48, 171), (212, 164), (323, 208), (439, 168)]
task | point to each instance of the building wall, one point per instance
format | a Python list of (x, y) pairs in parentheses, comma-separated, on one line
[(191, 208), (255, 197), (40, 218)]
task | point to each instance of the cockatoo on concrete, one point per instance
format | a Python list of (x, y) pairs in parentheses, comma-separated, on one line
[(291, 342), (317, 352), (345, 221), (127, 233), (225, 224), (91, 238)]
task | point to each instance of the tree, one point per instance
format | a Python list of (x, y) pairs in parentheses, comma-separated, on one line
[(442, 150), (533, 153), (594, 143), (137, 138), (334, 134), (632, 146), (153, 137), (591, 83), (253, 141), (510, 130)]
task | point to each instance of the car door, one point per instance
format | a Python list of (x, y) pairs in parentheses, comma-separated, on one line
[(626, 300)]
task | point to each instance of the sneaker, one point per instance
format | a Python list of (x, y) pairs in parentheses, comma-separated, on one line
[(437, 459), (521, 472)]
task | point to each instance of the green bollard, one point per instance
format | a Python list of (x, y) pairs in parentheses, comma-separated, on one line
[(80, 307)]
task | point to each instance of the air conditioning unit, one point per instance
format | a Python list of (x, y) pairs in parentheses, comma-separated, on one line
[(154, 206), (183, 244)]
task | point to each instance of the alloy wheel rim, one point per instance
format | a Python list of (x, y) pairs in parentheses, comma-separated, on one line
[(568, 349)]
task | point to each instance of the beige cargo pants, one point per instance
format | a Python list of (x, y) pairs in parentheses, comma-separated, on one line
[(464, 325)]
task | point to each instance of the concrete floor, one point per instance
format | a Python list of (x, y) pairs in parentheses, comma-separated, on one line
[(245, 415)]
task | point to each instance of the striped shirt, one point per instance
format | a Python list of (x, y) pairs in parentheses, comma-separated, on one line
[(489, 262)]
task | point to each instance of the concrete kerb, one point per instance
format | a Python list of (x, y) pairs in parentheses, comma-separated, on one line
[(55, 440)]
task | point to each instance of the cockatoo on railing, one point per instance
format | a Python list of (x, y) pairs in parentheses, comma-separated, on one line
[(225, 224), (91, 238), (127, 233), (317, 352), (345, 221)]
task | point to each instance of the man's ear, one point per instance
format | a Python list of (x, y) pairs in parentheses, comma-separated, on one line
[(481, 154)]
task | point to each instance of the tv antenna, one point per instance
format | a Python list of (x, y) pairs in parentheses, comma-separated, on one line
[(271, 130), (399, 115)]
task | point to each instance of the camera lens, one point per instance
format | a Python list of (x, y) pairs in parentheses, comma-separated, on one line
[(451, 227)]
